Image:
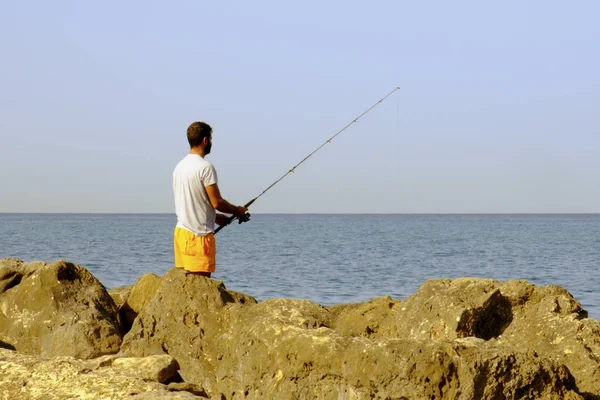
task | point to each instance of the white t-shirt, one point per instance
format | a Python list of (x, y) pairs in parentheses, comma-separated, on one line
[(192, 205)]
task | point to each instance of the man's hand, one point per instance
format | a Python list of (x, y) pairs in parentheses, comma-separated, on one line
[(240, 211), (242, 214)]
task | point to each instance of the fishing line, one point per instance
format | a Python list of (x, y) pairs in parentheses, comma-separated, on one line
[(233, 217)]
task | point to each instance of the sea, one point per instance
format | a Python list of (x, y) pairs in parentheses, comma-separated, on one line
[(328, 258)]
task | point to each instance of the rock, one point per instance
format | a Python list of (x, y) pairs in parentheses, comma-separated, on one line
[(31, 377), (13, 270), (166, 395), (376, 318), (59, 309), (188, 387), (500, 372), (550, 322), (284, 349), (468, 338), (138, 297), (445, 309), (545, 320), (119, 295), (158, 368), (183, 319)]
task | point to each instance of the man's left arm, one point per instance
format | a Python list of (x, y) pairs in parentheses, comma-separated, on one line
[(221, 219)]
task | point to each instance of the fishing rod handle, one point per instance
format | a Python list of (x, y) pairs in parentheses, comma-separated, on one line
[(229, 220), (233, 217)]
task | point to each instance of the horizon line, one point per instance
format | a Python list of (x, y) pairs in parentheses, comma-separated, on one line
[(310, 213)]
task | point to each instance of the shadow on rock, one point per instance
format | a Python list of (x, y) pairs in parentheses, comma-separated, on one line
[(488, 321)]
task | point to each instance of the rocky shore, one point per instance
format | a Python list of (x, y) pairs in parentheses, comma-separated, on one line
[(180, 336)]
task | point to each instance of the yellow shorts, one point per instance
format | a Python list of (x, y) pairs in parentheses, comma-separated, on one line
[(194, 253)]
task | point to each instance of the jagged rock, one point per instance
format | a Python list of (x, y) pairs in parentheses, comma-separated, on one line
[(25, 377), (141, 292), (284, 349), (544, 320), (450, 309), (468, 338), (549, 321), (183, 319), (59, 309), (376, 318), (13, 270)]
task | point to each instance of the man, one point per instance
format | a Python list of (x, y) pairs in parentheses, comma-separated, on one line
[(197, 196)]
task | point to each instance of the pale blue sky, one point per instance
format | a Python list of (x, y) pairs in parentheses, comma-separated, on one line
[(498, 109)]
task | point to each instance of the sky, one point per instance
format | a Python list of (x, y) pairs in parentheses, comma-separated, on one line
[(498, 109)]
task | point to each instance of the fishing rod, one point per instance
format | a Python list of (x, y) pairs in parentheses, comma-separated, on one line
[(248, 204)]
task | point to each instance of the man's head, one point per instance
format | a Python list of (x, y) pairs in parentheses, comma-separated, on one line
[(199, 135)]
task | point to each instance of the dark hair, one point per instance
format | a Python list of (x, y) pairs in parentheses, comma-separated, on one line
[(197, 131)]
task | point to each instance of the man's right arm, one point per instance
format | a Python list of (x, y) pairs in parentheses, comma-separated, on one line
[(222, 205)]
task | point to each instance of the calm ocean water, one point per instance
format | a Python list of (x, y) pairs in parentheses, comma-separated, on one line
[(328, 258)]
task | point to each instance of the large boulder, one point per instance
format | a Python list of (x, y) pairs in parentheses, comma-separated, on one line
[(450, 309), (139, 295), (545, 320), (549, 321), (287, 349), (57, 309), (292, 349), (184, 318), (467, 338)]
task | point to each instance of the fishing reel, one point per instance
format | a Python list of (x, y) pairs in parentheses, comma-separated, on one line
[(245, 218)]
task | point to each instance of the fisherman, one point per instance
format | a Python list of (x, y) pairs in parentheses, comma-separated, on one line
[(197, 196)]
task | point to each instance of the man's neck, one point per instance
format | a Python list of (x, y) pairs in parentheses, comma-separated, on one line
[(197, 150)]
